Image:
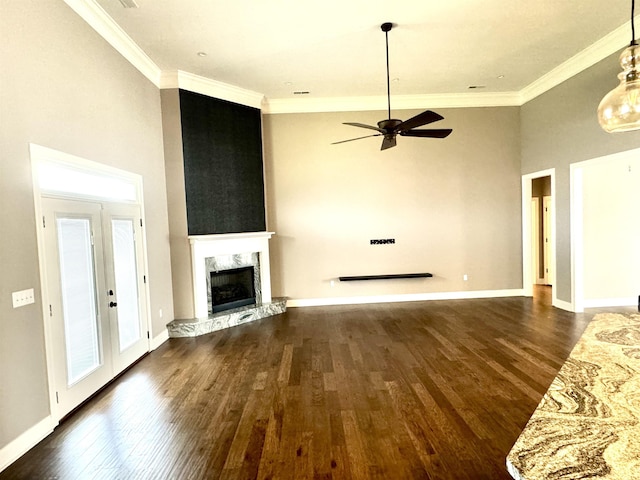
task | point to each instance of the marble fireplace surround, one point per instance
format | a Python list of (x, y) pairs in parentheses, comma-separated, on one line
[(238, 244), (230, 250)]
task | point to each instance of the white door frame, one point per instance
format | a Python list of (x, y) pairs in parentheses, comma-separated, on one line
[(527, 247), (43, 155)]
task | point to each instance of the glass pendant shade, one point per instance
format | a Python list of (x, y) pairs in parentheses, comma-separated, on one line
[(619, 110)]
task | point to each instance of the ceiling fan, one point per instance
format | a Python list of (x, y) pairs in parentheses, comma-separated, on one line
[(392, 127)]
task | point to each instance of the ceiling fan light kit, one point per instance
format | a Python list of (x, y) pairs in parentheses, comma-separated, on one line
[(391, 127), (619, 110)]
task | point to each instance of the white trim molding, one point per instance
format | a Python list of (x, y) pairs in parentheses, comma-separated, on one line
[(107, 28), (26, 441), (159, 339), (411, 297), (610, 302), (561, 304), (400, 102), (211, 88), (588, 57)]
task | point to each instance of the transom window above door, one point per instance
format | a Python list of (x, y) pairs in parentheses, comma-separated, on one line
[(61, 175)]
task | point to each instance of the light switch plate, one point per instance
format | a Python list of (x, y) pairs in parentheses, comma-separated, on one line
[(22, 298)]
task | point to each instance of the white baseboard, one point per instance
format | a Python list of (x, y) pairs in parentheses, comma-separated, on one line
[(561, 304), (159, 339), (29, 439), (610, 302), (411, 297)]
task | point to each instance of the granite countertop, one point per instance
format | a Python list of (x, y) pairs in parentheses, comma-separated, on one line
[(588, 423)]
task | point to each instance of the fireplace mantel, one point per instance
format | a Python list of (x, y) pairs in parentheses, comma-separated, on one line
[(204, 246)]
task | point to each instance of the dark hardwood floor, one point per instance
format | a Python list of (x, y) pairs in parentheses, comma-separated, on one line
[(426, 390)]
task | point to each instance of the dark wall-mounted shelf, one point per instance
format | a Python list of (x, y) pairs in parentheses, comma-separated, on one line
[(385, 277)]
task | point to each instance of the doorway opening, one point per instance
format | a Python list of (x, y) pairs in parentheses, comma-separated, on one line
[(538, 240)]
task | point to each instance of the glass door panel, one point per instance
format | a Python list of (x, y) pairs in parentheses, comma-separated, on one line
[(79, 306), (80, 333), (126, 281)]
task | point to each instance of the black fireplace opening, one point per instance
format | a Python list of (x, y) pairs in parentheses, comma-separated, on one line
[(232, 288)]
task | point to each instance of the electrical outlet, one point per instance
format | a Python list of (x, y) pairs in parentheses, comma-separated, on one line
[(22, 298), (465, 277)]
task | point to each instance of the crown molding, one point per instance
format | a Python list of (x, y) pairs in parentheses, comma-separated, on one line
[(104, 25), (211, 88), (399, 102), (607, 45), (107, 28)]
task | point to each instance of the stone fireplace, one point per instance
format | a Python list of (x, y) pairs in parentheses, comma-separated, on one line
[(215, 254)]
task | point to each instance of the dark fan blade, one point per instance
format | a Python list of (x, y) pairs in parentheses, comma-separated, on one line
[(388, 142), (419, 120), (362, 125), (358, 138), (435, 133)]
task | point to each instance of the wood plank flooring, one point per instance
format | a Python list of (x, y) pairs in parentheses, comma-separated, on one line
[(425, 390)]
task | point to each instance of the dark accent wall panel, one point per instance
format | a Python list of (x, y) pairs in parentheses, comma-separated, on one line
[(224, 181)]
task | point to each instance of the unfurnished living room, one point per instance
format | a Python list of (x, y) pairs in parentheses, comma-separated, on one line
[(330, 240)]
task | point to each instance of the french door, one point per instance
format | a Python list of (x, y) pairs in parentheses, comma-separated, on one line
[(95, 289)]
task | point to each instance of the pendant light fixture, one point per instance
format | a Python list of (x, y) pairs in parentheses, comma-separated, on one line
[(619, 110)]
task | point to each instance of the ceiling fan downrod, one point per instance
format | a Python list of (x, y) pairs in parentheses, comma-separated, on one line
[(386, 28)]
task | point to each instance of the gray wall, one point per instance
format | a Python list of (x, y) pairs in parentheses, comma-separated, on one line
[(62, 86), (453, 205), (174, 163), (559, 128)]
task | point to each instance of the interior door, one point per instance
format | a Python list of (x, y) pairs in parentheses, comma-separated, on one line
[(125, 284), (95, 286), (77, 300)]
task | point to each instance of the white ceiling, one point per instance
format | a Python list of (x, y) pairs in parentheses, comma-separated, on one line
[(335, 48)]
